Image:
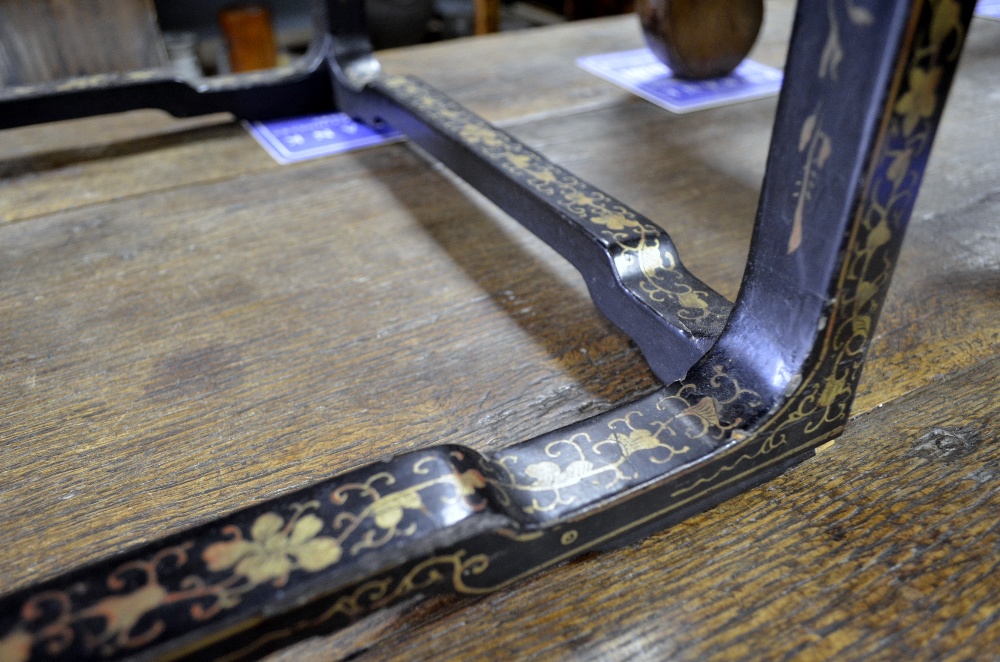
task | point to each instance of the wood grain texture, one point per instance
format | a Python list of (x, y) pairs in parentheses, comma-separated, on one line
[(43, 40), (190, 328)]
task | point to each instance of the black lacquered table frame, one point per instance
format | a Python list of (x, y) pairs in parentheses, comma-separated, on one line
[(751, 387)]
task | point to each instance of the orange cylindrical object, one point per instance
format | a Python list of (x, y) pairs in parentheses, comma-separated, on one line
[(250, 37)]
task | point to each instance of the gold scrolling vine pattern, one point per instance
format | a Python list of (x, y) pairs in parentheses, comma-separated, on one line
[(375, 593), (822, 400), (206, 577), (631, 237), (684, 422), (892, 192), (242, 558)]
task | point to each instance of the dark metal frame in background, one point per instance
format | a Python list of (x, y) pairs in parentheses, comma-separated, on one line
[(751, 388)]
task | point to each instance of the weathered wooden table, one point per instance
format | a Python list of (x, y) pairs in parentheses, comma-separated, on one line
[(188, 328)]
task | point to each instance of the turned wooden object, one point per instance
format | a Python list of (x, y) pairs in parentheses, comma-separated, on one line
[(701, 38)]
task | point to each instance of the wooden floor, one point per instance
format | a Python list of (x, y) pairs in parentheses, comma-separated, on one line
[(189, 328)]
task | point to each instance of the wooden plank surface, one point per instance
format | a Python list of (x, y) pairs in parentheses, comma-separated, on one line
[(189, 328)]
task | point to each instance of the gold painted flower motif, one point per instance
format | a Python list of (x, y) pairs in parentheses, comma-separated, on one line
[(478, 134), (551, 476), (900, 166), (834, 387), (704, 410), (643, 440), (920, 101), (275, 549), (16, 646), (692, 299), (612, 220), (388, 511), (469, 482)]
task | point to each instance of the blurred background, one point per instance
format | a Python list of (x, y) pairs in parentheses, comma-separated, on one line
[(392, 22), (44, 40)]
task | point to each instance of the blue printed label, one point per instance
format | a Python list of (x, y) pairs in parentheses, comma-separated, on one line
[(988, 9), (642, 74), (302, 138)]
